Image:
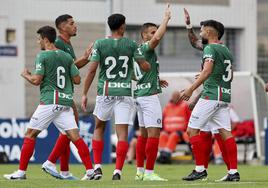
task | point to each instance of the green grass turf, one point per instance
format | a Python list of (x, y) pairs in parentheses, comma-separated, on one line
[(251, 176)]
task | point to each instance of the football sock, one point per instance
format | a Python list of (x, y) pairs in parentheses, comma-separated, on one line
[(121, 152), (83, 152), (97, 147), (26, 153), (223, 150), (65, 156), (151, 152), (197, 149), (140, 151), (207, 140), (61, 145), (231, 151)]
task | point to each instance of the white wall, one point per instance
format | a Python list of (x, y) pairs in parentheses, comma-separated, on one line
[(240, 14)]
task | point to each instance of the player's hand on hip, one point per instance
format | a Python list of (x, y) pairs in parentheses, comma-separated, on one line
[(186, 17), (167, 12), (84, 103)]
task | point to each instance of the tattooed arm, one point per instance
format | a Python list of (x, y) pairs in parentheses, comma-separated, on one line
[(195, 42)]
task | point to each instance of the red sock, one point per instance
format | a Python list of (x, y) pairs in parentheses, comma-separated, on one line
[(151, 152), (26, 152), (223, 150), (197, 149), (140, 151), (97, 147), (207, 140), (231, 151), (121, 152), (83, 152), (61, 144), (64, 158)]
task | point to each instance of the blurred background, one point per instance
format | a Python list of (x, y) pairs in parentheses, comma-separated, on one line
[(246, 34)]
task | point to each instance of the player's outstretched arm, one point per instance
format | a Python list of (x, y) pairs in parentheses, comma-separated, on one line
[(83, 60), (207, 69), (88, 81), (34, 79), (161, 30), (195, 42)]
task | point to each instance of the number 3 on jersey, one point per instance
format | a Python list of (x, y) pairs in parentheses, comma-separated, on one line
[(228, 70), (111, 62)]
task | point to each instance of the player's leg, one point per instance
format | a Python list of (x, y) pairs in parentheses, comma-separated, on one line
[(141, 144), (122, 109), (152, 116), (206, 137), (202, 112), (40, 120), (66, 121), (65, 156), (102, 112), (98, 146), (62, 144), (222, 120)]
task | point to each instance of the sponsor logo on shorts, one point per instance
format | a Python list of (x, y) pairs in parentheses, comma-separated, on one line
[(59, 108), (35, 118), (159, 121)]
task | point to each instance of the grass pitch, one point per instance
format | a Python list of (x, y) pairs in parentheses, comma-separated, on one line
[(251, 176)]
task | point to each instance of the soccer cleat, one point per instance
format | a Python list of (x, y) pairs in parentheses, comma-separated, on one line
[(196, 176), (222, 179), (233, 177), (116, 176), (68, 177), (51, 169), (139, 176), (88, 176), (97, 174), (15, 176), (153, 177)]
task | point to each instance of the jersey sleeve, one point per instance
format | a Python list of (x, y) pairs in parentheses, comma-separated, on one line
[(74, 70), (209, 53), (95, 55), (145, 47), (138, 52), (39, 65)]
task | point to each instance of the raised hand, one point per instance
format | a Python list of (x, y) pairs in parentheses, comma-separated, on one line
[(88, 51), (167, 12), (186, 17)]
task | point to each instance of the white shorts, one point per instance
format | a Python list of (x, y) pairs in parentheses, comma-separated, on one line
[(61, 116), (133, 113), (210, 115), (121, 106), (149, 111)]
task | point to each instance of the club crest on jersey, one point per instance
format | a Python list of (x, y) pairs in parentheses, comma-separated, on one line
[(94, 51), (119, 85)]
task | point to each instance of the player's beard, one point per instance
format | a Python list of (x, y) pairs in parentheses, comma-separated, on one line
[(204, 41)]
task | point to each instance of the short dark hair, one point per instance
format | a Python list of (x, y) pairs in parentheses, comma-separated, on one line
[(62, 18), (48, 32), (115, 21), (218, 26), (145, 26)]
